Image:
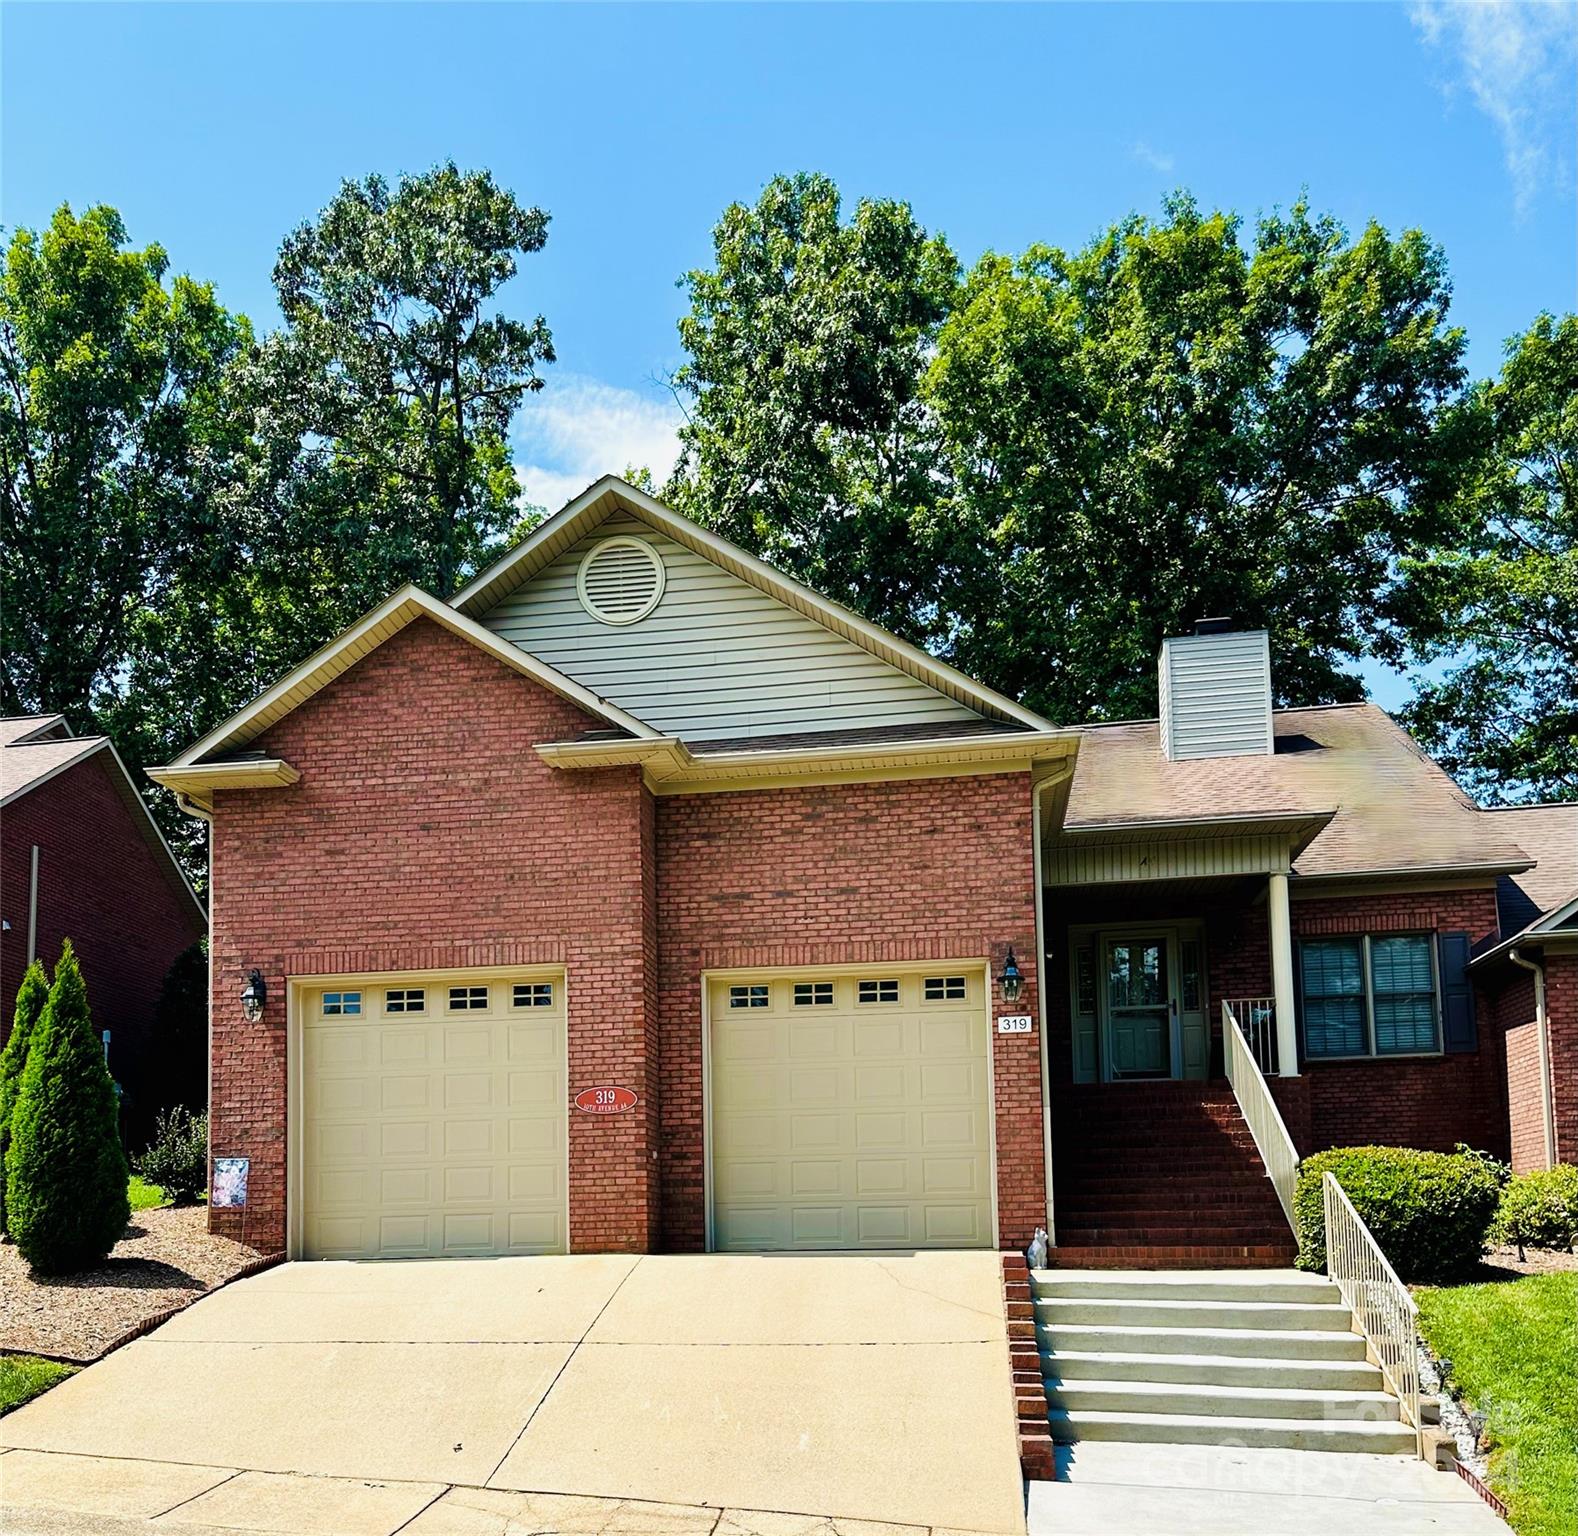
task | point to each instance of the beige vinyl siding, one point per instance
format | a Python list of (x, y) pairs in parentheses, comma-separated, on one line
[(1083, 861), (1216, 695), (716, 658)]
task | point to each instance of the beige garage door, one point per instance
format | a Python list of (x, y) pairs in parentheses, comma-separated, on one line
[(433, 1117), (851, 1111)]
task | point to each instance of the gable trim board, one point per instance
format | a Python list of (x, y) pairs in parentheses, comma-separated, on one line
[(93, 745), (609, 495), (669, 767)]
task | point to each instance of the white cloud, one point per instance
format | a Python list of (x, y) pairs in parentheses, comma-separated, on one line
[(1518, 59), (1155, 158), (578, 428)]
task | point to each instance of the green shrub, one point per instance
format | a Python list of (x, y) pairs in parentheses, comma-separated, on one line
[(1539, 1209), (66, 1173), (1429, 1211), (30, 999), (178, 1159)]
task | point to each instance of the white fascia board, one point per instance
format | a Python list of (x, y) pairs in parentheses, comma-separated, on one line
[(397, 610), (524, 560)]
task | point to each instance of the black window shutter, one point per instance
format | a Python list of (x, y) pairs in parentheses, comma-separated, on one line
[(1457, 994)]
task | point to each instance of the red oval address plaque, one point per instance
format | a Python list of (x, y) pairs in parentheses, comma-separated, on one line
[(605, 1101)]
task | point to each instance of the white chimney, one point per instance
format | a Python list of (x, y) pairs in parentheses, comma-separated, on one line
[(1215, 688)]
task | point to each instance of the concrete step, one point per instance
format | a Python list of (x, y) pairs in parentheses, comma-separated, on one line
[(1241, 1343), (1068, 1365), (1149, 1313), (1188, 1285), (1389, 1438), (1201, 1398)]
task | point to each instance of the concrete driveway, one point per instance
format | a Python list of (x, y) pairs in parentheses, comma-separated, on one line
[(713, 1395)]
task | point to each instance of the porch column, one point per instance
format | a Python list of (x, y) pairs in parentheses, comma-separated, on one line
[(1282, 975)]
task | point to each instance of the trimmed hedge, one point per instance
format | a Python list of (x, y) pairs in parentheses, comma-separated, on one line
[(1429, 1211), (66, 1172), (1540, 1209)]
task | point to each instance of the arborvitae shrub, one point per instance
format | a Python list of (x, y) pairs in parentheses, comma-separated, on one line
[(30, 999), (66, 1172)]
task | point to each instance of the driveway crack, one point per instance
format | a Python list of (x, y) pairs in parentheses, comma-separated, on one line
[(574, 1349)]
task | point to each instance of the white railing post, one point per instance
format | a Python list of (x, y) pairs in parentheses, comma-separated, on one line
[(1260, 1113), (1382, 1309)]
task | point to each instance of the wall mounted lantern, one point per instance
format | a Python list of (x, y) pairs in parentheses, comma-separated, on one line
[(1010, 981), (253, 996)]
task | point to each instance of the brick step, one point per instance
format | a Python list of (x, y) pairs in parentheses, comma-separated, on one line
[(1168, 1256), (1266, 1217), (1130, 1237), (1259, 1193), (1120, 1180)]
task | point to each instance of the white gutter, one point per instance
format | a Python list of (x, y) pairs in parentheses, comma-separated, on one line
[(1542, 1025)]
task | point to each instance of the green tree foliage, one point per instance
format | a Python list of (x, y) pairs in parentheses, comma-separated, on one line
[(66, 1172), (400, 374), (1499, 600), (1046, 468), (180, 1035), (31, 996), (110, 405), (807, 440)]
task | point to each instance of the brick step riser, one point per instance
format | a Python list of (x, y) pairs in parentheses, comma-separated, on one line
[(1167, 1256), (1191, 1199), (1260, 1218)]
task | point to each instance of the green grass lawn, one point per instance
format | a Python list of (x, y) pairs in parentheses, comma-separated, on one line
[(144, 1196), (25, 1376), (1513, 1345)]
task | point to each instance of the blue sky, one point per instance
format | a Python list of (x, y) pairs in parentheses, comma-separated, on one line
[(216, 128)]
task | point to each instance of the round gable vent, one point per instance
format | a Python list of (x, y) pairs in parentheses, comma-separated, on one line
[(620, 580)]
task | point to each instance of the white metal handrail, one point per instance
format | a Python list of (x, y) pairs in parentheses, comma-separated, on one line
[(1260, 1113), (1383, 1311), (1257, 1017)]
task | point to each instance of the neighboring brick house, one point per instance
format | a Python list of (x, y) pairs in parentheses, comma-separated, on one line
[(639, 897), (1530, 980), (81, 858)]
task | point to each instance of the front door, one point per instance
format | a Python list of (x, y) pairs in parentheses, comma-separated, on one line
[(1141, 1004)]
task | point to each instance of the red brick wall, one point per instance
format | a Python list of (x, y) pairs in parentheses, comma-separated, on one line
[(106, 886), (426, 833), (1561, 1006), (835, 875), (1431, 1102)]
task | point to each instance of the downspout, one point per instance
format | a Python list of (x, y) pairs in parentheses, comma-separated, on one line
[(32, 907), (1542, 1025), (1041, 985)]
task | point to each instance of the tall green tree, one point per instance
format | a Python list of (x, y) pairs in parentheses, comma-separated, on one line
[(1186, 419), (1497, 605), (807, 440), (396, 376), (66, 1172), (110, 406)]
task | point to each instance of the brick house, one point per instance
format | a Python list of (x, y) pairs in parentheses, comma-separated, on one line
[(638, 897), (81, 858)]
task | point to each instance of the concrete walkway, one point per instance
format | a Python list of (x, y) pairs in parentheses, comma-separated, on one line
[(665, 1396), (1110, 1488)]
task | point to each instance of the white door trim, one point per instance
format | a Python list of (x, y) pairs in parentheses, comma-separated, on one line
[(980, 966)]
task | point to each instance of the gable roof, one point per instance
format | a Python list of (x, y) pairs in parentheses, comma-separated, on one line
[(611, 494), (1549, 835), (37, 748), (370, 631), (1392, 810)]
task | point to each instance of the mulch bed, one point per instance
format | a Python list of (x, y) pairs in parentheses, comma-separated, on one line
[(1503, 1263), (167, 1259)]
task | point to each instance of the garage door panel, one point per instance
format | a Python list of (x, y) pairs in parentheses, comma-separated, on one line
[(434, 1124), (858, 1125)]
